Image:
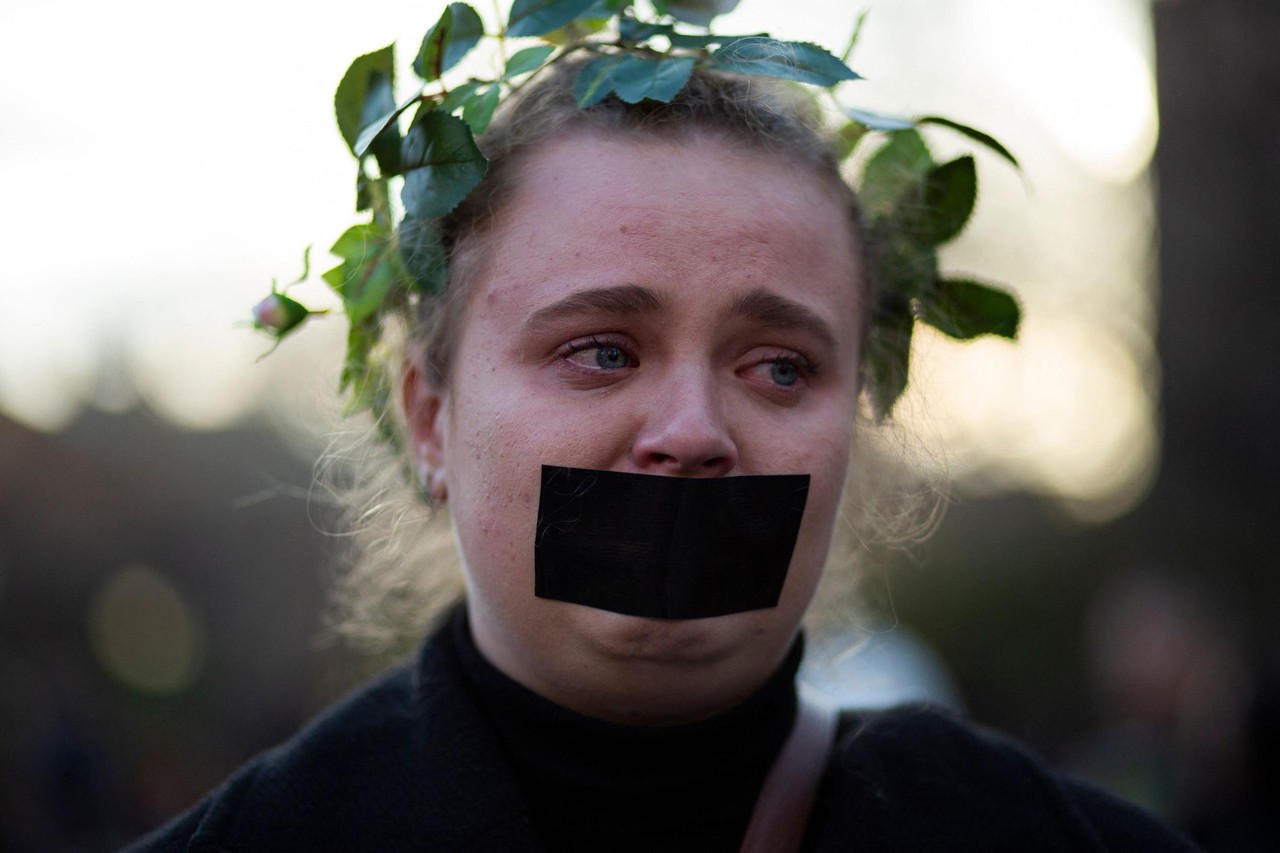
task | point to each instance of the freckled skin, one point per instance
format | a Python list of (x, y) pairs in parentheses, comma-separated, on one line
[(699, 225)]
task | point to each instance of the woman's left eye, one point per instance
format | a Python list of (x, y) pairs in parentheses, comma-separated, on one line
[(783, 371)]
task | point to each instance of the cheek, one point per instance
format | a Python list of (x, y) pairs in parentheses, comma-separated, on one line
[(492, 486), (826, 460), (501, 435)]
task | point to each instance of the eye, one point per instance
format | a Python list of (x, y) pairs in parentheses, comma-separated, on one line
[(610, 357), (784, 373), (598, 355), (781, 372)]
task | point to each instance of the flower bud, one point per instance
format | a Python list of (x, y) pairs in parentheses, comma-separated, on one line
[(278, 314), (700, 12)]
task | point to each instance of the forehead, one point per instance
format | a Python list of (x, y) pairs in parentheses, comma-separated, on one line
[(698, 214)]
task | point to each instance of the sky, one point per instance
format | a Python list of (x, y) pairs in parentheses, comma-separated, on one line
[(162, 162)]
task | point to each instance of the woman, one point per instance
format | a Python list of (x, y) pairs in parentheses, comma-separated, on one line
[(642, 296)]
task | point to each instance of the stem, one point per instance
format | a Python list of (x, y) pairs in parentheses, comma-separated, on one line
[(502, 35), (853, 37)]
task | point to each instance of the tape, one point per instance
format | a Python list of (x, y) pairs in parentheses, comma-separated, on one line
[(666, 547)]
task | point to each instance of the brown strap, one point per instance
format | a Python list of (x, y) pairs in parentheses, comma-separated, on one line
[(786, 799)]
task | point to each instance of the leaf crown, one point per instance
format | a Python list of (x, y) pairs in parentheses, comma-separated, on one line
[(912, 204)]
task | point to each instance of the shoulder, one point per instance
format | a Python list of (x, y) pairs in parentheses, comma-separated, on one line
[(313, 775), (401, 761), (918, 778)]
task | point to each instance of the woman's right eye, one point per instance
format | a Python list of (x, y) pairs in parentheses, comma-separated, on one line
[(598, 355)]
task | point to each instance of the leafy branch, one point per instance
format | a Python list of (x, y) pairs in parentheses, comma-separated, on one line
[(913, 204)]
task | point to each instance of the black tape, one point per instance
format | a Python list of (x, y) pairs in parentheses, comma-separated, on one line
[(666, 547)]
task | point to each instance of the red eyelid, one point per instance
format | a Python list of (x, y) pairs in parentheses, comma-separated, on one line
[(799, 359), (606, 339)]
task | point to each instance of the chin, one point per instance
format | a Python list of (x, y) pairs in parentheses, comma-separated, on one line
[(643, 639)]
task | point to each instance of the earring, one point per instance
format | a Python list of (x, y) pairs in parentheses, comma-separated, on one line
[(432, 484), (438, 488)]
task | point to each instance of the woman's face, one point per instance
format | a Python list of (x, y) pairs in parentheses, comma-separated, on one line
[(683, 309)]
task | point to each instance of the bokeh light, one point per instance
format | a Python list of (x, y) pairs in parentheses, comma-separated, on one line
[(144, 633)]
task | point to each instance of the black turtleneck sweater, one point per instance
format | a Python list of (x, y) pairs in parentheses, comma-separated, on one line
[(446, 754), (594, 785)]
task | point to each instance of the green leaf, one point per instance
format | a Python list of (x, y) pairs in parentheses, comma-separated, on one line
[(878, 121), (888, 355), (894, 173), (634, 32), (697, 42), (365, 292), (366, 273), (529, 59), (592, 85), (356, 369), (788, 60), (848, 137), (965, 309), (423, 254), (634, 78), (699, 12), (588, 23), (457, 31), (605, 9), (356, 242), (949, 196), (442, 164), (371, 193), (373, 130), (976, 135), (907, 266), (365, 96), (477, 112), (458, 96), (370, 389), (535, 17), (368, 79)]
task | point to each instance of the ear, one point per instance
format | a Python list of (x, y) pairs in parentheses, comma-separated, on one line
[(425, 413)]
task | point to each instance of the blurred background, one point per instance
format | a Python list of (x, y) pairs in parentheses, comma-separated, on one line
[(1102, 587)]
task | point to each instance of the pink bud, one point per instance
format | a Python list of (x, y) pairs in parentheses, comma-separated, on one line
[(278, 314), (270, 312)]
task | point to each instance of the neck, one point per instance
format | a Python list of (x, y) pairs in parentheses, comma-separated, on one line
[(595, 785)]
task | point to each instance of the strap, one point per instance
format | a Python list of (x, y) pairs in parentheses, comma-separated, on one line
[(782, 811)]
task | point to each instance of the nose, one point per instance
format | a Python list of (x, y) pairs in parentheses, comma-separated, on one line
[(685, 433)]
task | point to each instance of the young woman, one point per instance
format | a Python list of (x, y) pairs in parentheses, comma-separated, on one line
[(649, 306)]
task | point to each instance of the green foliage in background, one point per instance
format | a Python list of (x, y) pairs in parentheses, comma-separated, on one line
[(913, 204)]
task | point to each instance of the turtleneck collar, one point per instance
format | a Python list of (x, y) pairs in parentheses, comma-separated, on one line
[(596, 785)]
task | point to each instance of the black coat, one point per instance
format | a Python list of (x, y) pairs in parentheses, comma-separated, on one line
[(408, 763)]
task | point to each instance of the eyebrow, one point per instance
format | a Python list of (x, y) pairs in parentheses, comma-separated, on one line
[(623, 300), (776, 311)]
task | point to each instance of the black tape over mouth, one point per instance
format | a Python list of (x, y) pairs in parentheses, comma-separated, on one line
[(666, 547)]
